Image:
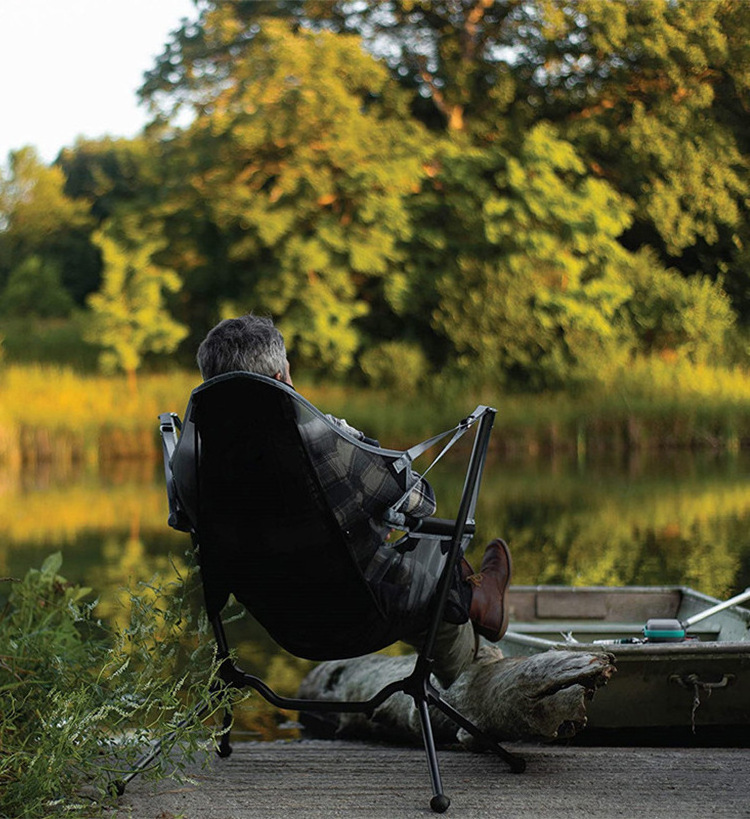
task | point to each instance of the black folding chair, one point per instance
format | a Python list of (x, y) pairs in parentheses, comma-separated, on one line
[(289, 513)]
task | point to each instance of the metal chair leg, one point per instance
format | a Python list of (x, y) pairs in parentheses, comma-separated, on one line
[(516, 763), (118, 786), (439, 802), (225, 749)]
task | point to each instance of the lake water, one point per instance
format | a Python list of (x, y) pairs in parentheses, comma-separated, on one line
[(648, 519)]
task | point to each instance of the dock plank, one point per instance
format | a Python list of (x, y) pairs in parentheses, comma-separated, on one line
[(318, 778)]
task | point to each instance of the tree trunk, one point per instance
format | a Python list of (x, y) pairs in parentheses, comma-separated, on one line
[(539, 697), (132, 380)]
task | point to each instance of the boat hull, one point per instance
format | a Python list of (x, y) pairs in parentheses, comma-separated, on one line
[(702, 681)]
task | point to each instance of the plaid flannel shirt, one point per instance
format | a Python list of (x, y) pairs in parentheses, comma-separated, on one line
[(360, 484), (421, 501)]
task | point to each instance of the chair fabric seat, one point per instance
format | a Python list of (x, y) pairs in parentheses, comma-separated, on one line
[(286, 510)]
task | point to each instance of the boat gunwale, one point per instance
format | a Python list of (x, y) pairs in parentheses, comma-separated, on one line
[(698, 647), (595, 625)]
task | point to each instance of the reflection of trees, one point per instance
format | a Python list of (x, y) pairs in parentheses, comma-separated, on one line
[(580, 530), (59, 514), (563, 526), (127, 567)]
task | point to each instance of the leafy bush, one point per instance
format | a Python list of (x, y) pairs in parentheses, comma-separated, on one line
[(677, 317), (34, 288), (395, 365), (81, 701)]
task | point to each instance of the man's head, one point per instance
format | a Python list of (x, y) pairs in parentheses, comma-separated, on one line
[(249, 343)]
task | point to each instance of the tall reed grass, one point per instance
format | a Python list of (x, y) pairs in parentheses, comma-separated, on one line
[(50, 412)]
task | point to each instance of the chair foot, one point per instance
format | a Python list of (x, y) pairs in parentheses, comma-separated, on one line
[(517, 764), (224, 748), (439, 803)]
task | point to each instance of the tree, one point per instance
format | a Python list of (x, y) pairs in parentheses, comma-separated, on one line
[(672, 316), (109, 174), (540, 147), (303, 158), (537, 297), (454, 54), (128, 314), (37, 219), (654, 96), (34, 289)]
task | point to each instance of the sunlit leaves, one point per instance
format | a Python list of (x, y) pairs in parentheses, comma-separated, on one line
[(313, 160), (38, 219), (129, 316), (546, 300)]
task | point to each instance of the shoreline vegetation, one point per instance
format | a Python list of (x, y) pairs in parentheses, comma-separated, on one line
[(52, 414)]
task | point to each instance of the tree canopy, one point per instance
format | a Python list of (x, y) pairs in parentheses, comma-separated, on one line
[(511, 191)]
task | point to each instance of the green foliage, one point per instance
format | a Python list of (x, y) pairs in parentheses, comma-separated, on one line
[(453, 53), (671, 315), (37, 219), (129, 316), (33, 203), (542, 300), (305, 163), (80, 702), (111, 175), (653, 95), (34, 289), (482, 183), (396, 365), (32, 340)]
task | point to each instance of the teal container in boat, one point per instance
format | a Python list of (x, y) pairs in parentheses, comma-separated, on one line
[(664, 631)]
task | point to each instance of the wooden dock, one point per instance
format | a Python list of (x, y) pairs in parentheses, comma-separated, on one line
[(318, 778)]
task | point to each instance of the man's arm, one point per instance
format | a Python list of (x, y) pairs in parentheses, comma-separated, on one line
[(342, 424), (421, 501)]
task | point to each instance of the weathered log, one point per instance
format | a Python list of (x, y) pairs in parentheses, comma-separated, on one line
[(538, 697)]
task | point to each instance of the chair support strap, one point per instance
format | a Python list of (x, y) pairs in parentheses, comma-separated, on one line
[(392, 515)]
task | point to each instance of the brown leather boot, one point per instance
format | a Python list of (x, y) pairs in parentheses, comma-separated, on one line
[(488, 612)]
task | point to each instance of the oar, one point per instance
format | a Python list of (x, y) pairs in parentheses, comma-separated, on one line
[(671, 631)]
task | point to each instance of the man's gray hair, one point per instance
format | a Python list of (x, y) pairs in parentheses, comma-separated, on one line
[(249, 343)]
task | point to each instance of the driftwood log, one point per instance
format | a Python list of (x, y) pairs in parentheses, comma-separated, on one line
[(538, 697)]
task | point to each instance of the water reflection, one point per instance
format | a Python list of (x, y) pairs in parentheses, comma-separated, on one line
[(677, 518), (666, 518)]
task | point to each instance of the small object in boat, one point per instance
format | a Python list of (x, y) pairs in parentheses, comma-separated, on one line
[(664, 631), (620, 641)]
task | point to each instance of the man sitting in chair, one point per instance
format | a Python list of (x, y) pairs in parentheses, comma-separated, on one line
[(476, 602)]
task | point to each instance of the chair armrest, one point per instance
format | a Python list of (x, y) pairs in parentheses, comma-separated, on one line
[(440, 526)]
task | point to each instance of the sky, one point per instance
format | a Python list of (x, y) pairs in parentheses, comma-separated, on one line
[(71, 68)]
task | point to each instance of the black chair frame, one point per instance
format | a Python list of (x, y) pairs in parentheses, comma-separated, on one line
[(417, 684)]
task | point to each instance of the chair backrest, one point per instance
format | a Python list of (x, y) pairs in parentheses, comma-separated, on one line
[(287, 514)]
